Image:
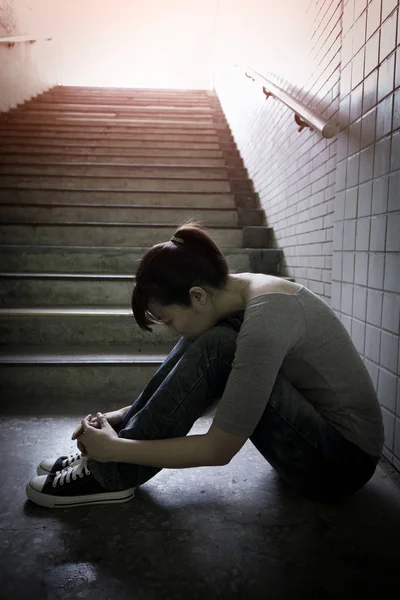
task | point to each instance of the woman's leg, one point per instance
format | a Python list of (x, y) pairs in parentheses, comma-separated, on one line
[(309, 453), (197, 378), (234, 322), (169, 363)]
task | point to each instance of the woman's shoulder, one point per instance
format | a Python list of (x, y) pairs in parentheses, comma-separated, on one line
[(261, 284), (270, 314)]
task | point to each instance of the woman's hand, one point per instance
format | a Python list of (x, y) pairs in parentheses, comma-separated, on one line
[(98, 440), (78, 431), (114, 417)]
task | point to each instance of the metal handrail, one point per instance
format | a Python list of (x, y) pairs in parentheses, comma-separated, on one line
[(304, 116), (19, 39)]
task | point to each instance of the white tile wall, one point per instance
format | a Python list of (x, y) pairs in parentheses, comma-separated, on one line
[(375, 302), (358, 234), (295, 173)]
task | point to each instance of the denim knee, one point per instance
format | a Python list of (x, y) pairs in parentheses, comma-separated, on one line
[(217, 342)]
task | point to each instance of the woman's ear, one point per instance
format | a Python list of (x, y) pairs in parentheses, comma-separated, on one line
[(198, 295)]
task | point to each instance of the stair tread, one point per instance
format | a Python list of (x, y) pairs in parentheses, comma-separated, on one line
[(66, 152), (106, 121), (81, 355), (118, 191), (50, 204), (73, 145), (116, 176), (80, 276), (123, 249), (111, 224), (28, 275), (114, 107), (90, 311), (112, 165)]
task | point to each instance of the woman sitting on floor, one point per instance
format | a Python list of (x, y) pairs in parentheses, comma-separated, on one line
[(281, 365)]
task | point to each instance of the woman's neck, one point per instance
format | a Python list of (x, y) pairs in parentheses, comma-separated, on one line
[(233, 297)]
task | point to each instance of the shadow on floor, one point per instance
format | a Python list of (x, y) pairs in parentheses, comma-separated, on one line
[(208, 533)]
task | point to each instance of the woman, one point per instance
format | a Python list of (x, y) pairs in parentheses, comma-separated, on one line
[(281, 364)]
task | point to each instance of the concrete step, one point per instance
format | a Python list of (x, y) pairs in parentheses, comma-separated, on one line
[(158, 171), (102, 142), (28, 156), (37, 105), (102, 234), (117, 197), (80, 325), (116, 126), (76, 355), (107, 106), (19, 290), (55, 110), (115, 110), (120, 136), (25, 213), (125, 91), (91, 152), (37, 290), (158, 116), (113, 105), (130, 93), (56, 380), (133, 184), (118, 261), (134, 96), (127, 103), (128, 214), (114, 102), (101, 92)]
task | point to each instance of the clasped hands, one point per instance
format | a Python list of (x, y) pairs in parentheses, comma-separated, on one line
[(96, 438)]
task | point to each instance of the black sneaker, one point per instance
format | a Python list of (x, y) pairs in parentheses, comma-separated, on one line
[(73, 486), (52, 465)]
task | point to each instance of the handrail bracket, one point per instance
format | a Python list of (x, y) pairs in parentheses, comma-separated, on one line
[(301, 123), (267, 93)]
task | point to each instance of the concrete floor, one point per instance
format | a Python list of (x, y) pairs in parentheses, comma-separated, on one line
[(207, 533)]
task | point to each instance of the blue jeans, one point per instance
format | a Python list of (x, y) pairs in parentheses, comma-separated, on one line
[(305, 450)]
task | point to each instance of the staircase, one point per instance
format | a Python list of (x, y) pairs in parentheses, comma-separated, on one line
[(90, 178)]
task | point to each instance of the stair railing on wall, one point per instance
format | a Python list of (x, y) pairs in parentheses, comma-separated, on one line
[(19, 39), (304, 116)]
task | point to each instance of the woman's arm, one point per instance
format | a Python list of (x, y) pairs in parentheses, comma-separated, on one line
[(174, 453), (214, 448)]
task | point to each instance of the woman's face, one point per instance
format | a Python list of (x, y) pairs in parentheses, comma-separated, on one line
[(190, 321)]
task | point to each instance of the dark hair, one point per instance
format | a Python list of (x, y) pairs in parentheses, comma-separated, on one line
[(167, 271)]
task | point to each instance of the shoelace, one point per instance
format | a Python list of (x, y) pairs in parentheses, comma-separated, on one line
[(71, 458), (65, 475)]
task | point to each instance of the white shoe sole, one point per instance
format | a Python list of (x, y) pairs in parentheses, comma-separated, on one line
[(50, 501)]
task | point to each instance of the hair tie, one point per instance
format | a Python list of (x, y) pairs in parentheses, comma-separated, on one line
[(177, 239)]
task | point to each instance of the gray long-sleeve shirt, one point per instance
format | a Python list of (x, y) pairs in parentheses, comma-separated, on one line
[(300, 336)]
